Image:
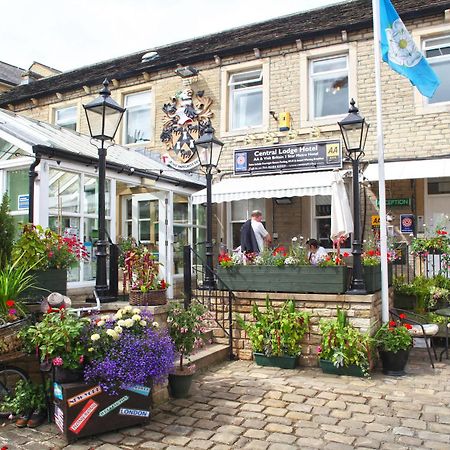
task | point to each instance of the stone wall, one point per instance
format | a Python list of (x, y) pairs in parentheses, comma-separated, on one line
[(363, 311)]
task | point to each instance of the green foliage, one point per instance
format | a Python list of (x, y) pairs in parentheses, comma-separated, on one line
[(394, 336), (343, 344), (45, 249), (186, 328), (7, 231), (430, 292), (58, 335), (26, 397), (436, 241), (276, 332), (14, 279)]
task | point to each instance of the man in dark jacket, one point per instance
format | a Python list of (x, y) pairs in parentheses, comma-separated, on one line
[(248, 238), (254, 235)]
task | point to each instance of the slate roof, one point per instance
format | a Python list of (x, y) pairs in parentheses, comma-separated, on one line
[(68, 144), (9, 74), (350, 16)]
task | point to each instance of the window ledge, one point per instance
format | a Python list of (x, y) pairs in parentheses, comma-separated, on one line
[(432, 109), (243, 132)]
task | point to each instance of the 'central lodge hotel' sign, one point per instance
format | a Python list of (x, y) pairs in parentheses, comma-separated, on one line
[(302, 157)]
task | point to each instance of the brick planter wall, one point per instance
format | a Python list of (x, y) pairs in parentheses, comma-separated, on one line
[(363, 311)]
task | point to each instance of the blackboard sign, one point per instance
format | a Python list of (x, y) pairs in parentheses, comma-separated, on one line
[(301, 157)]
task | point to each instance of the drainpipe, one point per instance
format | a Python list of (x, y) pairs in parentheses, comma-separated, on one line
[(32, 174)]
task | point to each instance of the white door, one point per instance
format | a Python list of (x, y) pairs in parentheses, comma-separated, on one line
[(438, 211)]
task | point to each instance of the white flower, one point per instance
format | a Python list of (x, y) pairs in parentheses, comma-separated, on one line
[(95, 337), (111, 333), (402, 49), (118, 329), (129, 323), (121, 323), (294, 239), (136, 317), (128, 308), (143, 323), (155, 324), (100, 323), (136, 311), (90, 349), (118, 315)]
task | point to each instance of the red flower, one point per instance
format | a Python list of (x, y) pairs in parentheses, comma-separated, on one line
[(371, 252), (407, 326), (392, 323), (441, 232), (163, 284), (10, 303), (345, 254), (402, 316)]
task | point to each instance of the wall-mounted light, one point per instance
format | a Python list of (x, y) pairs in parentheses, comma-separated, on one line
[(186, 71), (283, 201)]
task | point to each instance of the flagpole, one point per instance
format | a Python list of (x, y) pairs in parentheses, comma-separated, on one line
[(381, 176)]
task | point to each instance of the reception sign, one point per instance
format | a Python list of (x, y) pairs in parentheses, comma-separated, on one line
[(300, 157)]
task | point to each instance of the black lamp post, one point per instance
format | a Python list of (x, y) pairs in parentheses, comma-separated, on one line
[(354, 130), (103, 117), (209, 149)]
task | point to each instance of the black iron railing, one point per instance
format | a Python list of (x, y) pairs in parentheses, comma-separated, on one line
[(219, 301), (409, 266)]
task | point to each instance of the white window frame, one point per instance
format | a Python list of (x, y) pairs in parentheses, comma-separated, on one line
[(313, 77), (53, 110), (236, 93), (151, 116), (225, 100), (421, 104), (306, 56)]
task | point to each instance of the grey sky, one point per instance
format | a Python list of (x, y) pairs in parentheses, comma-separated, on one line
[(66, 34)]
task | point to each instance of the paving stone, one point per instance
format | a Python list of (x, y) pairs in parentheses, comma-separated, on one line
[(336, 437), (366, 442), (200, 444), (281, 438), (380, 428), (278, 428), (225, 438), (309, 442), (255, 433), (201, 434), (102, 447), (152, 436), (176, 440), (153, 445), (410, 441), (207, 424), (431, 436), (271, 411), (257, 445), (179, 430), (230, 429)]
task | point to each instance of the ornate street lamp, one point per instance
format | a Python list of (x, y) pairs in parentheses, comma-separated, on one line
[(103, 117), (354, 130), (209, 149)]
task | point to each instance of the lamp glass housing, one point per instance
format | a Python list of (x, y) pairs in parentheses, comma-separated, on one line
[(354, 130), (209, 149), (103, 116)]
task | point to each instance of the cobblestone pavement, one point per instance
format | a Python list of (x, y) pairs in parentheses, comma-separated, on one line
[(240, 405)]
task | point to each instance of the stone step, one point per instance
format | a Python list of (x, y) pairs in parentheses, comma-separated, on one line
[(210, 355)]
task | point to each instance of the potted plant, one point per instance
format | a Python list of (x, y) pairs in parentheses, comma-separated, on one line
[(27, 403), (276, 334), (186, 328), (50, 255), (127, 349), (141, 271), (344, 349), (58, 338), (394, 342), (15, 278)]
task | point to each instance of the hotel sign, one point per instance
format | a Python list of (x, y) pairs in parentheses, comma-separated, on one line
[(303, 157)]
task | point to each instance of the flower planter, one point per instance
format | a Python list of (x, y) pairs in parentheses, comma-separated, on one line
[(372, 277), (403, 301), (329, 367), (179, 384), (283, 362), (150, 298), (63, 375), (47, 281), (10, 344), (82, 409), (323, 280), (394, 363)]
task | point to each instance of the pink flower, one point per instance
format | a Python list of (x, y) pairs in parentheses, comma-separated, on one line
[(319, 349), (57, 361), (81, 359)]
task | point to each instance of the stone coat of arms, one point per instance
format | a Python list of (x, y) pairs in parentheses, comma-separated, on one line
[(187, 117)]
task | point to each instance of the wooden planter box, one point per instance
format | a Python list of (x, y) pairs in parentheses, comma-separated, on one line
[(51, 280), (304, 279), (329, 367), (283, 362), (372, 277), (82, 409)]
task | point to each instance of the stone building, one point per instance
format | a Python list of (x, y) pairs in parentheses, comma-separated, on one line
[(275, 88)]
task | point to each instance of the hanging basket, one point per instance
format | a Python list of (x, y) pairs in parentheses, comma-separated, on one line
[(10, 344), (150, 298)]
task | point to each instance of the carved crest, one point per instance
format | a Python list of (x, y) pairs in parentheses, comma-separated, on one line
[(187, 117)]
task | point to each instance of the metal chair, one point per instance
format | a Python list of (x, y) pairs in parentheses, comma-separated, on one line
[(420, 328)]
